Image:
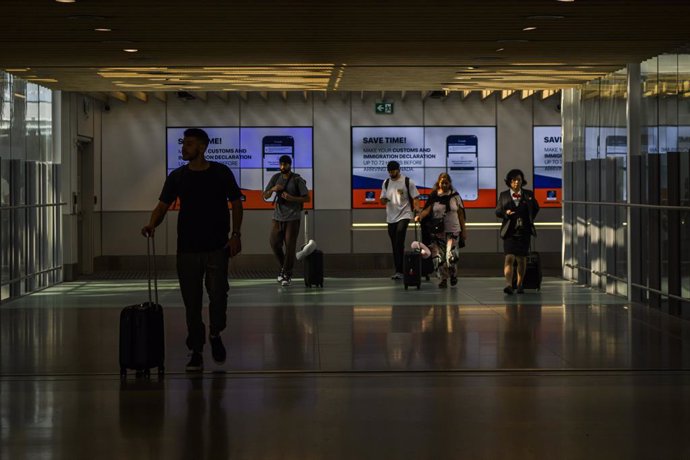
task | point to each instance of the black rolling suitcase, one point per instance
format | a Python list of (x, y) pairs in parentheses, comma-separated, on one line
[(533, 275), (428, 263), (313, 263), (412, 266), (142, 337)]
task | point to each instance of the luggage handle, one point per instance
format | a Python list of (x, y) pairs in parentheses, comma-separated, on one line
[(306, 228), (151, 260)]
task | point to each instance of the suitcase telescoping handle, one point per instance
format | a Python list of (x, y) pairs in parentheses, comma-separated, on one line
[(151, 261), (306, 227)]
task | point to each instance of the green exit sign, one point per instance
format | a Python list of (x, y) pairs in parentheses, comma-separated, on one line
[(385, 108)]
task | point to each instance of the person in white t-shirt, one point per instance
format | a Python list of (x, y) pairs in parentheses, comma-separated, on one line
[(399, 195)]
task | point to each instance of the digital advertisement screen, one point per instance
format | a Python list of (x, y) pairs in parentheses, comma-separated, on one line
[(252, 154), (548, 165), (467, 154)]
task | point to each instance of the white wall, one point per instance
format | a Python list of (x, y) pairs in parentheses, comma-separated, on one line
[(133, 159)]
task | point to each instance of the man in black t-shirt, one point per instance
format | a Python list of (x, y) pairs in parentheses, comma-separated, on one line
[(203, 248)]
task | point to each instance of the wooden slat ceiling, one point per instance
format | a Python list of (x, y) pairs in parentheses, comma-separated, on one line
[(337, 45)]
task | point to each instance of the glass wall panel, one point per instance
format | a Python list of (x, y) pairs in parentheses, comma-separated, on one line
[(30, 231), (659, 201)]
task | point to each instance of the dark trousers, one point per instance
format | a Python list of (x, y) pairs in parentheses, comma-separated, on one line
[(397, 233), (195, 269), (285, 233)]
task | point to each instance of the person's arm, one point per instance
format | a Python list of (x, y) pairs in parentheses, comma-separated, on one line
[(415, 196), (272, 187), (502, 210), (235, 242), (422, 215), (157, 216), (303, 191), (461, 219), (535, 207), (499, 207)]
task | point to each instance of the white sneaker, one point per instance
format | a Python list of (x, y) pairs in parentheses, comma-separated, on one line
[(286, 281), (280, 277), (397, 276)]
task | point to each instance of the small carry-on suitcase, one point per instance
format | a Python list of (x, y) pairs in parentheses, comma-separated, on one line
[(412, 266), (142, 337), (533, 276), (313, 263), (412, 269)]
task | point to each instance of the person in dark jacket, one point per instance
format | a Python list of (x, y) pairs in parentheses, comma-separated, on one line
[(518, 208)]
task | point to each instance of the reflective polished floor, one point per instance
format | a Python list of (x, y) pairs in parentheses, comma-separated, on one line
[(359, 369)]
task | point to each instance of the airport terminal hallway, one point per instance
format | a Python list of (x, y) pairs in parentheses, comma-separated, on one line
[(361, 369)]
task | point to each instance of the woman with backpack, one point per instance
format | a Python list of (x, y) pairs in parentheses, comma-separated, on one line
[(446, 226)]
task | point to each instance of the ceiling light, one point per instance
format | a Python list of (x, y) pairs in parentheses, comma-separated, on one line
[(565, 1), (500, 49), (526, 29), (130, 50), (103, 29), (545, 17), (66, 1)]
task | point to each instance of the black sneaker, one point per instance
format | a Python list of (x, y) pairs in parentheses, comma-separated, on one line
[(217, 349), (196, 363), (453, 280), (508, 290)]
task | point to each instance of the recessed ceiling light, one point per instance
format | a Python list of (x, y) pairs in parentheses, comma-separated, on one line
[(103, 29), (130, 50), (545, 17), (565, 1), (66, 1), (529, 28), (500, 49)]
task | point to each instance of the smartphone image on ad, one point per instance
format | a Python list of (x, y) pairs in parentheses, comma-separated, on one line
[(272, 148), (462, 165), (616, 145)]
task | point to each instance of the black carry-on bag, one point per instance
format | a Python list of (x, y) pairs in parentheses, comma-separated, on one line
[(533, 275), (142, 337), (313, 263), (412, 266)]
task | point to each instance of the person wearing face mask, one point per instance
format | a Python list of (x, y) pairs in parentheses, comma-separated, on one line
[(290, 195), (518, 208), (447, 222), (399, 195)]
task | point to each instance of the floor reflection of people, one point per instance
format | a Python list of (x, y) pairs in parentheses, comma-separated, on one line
[(205, 431), (520, 343), (442, 338), (406, 324), (142, 417), (288, 339)]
